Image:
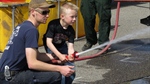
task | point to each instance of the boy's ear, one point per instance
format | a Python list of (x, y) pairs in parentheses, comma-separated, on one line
[(61, 15)]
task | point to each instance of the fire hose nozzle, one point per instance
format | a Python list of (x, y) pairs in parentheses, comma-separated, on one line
[(75, 55)]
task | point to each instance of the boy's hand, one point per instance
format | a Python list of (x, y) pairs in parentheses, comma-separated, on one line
[(62, 58), (70, 58)]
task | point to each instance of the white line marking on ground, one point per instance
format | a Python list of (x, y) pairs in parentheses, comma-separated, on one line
[(78, 78), (130, 60)]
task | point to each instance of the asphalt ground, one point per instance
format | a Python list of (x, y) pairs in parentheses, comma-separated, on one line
[(128, 58)]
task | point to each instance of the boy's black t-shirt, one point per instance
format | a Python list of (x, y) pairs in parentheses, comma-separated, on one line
[(58, 34)]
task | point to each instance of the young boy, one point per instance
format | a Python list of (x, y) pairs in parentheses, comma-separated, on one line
[(58, 32)]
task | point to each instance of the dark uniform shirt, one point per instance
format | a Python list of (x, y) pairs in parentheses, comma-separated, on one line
[(24, 36)]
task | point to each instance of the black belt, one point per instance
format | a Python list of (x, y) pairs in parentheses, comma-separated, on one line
[(13, 73)]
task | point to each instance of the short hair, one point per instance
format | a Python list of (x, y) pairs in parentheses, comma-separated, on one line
[(68, 5)]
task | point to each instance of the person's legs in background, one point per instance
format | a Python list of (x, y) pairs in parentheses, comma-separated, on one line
[(104, 12), (88, 11)]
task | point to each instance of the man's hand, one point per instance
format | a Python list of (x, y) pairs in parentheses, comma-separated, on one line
[(67, 70)]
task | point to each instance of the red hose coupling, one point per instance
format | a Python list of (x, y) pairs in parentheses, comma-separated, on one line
[(74, 55)]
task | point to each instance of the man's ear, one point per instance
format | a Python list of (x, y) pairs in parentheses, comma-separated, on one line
[(32, 12)]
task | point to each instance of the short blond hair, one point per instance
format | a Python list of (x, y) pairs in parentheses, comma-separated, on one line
[(68, 5)]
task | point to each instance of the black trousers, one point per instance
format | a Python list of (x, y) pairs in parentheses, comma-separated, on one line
[(89, 9), (34, 77), (2, 79)]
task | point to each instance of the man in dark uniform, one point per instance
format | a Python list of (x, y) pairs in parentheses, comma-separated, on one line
[(21, 58), (89, 9)]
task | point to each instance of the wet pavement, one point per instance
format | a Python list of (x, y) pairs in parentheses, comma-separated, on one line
[(127, 61), (145, 80)]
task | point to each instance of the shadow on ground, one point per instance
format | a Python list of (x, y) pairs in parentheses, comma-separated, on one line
[(127, 60)]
